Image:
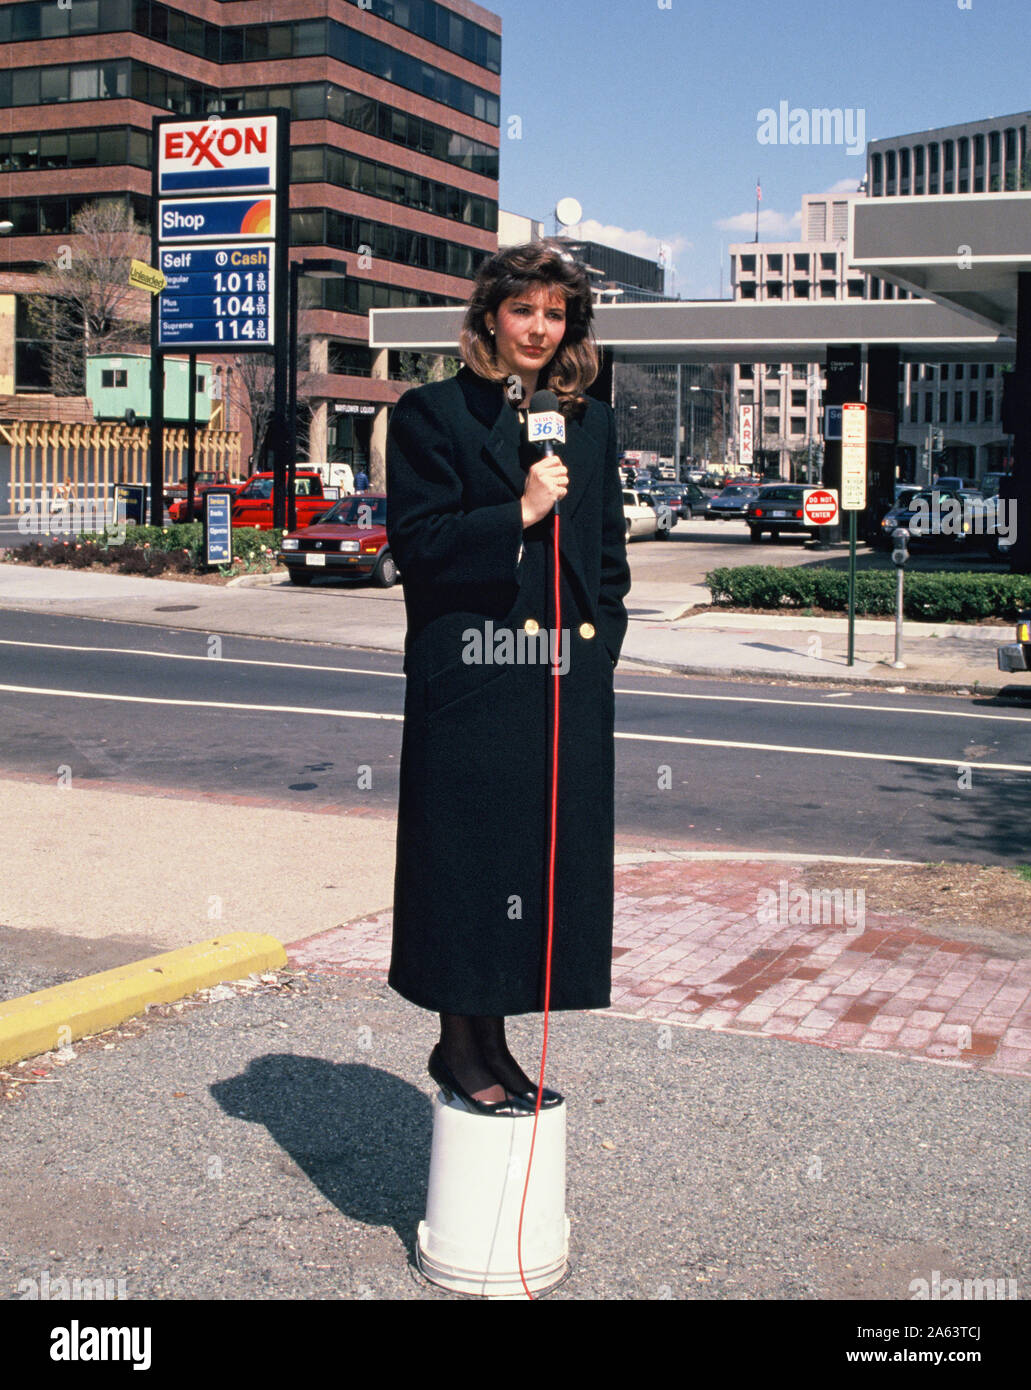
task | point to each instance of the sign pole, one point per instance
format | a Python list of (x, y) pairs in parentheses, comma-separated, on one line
[(853, 497), (281, 315), (851, 588), (191, 435)]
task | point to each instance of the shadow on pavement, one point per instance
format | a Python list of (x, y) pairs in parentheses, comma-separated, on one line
[(360, 1134)]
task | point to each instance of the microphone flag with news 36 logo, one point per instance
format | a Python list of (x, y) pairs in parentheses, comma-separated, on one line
[(545, 425)]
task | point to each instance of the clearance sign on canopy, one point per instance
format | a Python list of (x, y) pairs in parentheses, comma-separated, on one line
[(212, 156)]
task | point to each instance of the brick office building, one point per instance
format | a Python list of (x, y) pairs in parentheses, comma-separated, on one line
[(394, 156)]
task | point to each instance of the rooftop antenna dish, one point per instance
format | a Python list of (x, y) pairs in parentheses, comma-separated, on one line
[(569, 212)]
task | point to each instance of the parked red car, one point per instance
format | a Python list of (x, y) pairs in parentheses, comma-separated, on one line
[(176, 496), (253, 503), (349, 539)]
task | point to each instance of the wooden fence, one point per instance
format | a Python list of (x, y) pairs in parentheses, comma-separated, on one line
[(84, 461)]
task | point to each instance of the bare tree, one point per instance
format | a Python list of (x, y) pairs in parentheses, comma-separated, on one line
[(253, 391), (84, 304)]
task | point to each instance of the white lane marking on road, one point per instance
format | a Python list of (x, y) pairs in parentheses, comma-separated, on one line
[(217, 660), (813, 704), (620, 690), (399, 718), (825, 752), (205, 704)]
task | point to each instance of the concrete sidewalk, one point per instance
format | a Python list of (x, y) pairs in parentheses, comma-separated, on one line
[(943, 657)]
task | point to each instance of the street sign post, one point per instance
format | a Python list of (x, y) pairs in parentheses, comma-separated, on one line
[(853, 496)]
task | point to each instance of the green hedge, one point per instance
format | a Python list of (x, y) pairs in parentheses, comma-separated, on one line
[(150, 550), (935, 598)]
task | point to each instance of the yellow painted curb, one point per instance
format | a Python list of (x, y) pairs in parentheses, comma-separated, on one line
[(51, 1018)]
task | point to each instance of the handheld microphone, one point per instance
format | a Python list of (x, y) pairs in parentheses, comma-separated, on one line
[(545, 424)]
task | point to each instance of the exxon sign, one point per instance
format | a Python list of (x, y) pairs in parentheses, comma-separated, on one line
[(233, 155)]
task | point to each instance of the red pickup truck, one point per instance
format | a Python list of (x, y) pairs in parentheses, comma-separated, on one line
[(252, 505), (176, 497)]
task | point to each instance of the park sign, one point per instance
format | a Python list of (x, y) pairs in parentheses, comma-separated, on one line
[(231, 155), (745, 454)]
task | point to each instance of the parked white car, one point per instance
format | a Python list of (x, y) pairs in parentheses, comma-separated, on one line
[(646, 516)]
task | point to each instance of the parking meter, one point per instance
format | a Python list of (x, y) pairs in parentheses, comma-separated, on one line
[(900, 540)]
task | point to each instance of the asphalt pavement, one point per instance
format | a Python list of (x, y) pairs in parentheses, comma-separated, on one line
[(275, 1144)]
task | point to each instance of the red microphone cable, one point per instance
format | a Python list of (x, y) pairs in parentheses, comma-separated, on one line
[(551, 890)]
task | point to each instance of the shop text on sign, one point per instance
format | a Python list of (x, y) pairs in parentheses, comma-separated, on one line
[(217, 156), (820, 505)]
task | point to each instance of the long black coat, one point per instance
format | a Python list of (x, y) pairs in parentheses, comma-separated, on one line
[(470, 888)]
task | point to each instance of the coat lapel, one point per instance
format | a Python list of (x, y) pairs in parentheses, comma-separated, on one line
[(581, 454)]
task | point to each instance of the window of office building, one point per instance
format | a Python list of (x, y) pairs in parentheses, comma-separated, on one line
[(855, 289), (798, 424), (748, 265), (800, 289), (889, 170), (801, 261), (877, 174), (747, 371), (775, 263), (943, 407), (960, 371), (798, 399), (989, 371), (746, 397), (798, 371), (747, 289), (319, 163), (989, 408), (929, 409), (771, 425), (828, 260), (771, 400), (972, 407), (957, 407), (775, 289), (943, 373), (828, 289)]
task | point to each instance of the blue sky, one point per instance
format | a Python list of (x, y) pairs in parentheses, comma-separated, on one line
[(648, 115)]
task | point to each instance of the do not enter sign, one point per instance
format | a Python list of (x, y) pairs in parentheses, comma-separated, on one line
[(820, 506)]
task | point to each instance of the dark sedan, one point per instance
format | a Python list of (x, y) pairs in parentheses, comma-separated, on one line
[(350, 539), (778, 508), (685, 500), (731, 504)]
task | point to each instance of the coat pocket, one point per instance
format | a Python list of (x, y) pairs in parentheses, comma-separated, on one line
[(457, 682)]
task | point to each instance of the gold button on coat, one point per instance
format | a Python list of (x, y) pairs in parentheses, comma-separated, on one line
[(531, 625), (586, 629)]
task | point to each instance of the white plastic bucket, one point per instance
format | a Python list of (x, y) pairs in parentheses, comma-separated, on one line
[(468, 1241)]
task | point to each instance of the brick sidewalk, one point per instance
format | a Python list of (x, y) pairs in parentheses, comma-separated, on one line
[(701, 944)]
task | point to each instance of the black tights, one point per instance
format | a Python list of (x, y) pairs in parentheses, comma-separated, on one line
[(474, 1048)]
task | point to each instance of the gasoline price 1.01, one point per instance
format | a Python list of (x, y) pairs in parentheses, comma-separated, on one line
[(234, 281)]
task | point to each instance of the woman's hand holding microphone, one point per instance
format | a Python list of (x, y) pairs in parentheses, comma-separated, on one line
[(547, 482)]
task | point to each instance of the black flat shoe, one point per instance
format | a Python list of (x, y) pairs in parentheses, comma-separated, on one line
[(449, 1084)]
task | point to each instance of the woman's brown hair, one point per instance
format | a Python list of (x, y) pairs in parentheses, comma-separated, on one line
[(512, 272)]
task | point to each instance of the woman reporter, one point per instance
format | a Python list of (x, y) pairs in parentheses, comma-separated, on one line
[(470, 516)]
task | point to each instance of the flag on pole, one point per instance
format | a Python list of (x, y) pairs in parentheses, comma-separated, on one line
[(758, 191)]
